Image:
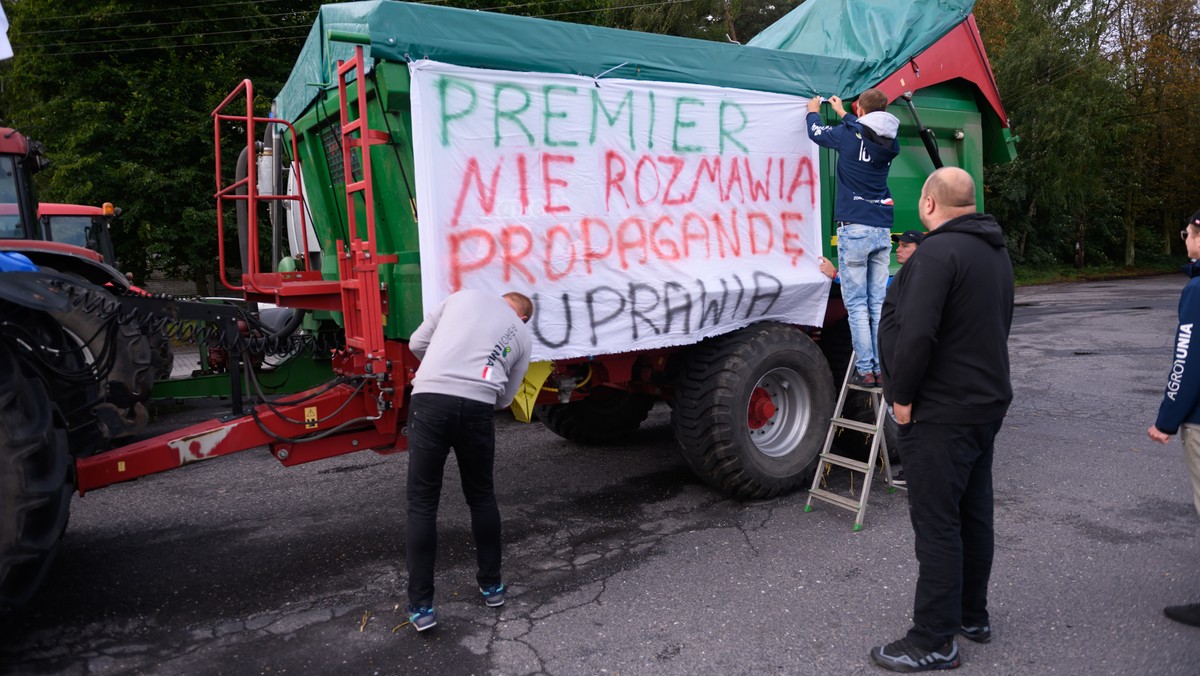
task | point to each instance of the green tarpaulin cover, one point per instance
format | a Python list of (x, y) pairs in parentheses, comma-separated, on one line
[(315, 66), (870, 39), (823, 47)]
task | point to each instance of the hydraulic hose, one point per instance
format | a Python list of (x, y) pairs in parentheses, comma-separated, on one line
[(926, 133)]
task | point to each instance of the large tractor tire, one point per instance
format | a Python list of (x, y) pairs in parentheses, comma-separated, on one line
[(39, 343), (109, 336), (35, 486), (606, 415), (752, 409)]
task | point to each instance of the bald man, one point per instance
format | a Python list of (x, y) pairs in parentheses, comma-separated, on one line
[(943, 341)]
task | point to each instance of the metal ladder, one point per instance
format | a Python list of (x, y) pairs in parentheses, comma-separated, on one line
[(828, 457)]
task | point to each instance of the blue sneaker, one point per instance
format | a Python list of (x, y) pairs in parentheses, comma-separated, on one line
[(493, 595), (421, 617)]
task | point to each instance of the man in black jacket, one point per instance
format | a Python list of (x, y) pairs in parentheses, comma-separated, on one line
[(943, 341)]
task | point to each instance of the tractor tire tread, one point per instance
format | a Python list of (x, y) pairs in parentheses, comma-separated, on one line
[(35, 484)]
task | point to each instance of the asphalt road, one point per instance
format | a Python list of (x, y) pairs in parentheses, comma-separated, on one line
[(620, 561)]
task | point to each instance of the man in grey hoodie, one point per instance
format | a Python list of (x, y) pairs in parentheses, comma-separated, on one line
[(474, 351), (866, 144)]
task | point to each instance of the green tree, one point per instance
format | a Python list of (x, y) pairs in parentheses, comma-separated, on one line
[(1158, 60), (1103, 95), (1059, 89)]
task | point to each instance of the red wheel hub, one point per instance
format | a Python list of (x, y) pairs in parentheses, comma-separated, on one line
[(761, 409)]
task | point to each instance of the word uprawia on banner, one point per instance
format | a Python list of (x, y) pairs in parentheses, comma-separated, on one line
[(635, 214)]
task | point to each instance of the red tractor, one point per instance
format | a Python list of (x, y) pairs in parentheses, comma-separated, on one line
[(72, 241), (75, 375), (80, 350)]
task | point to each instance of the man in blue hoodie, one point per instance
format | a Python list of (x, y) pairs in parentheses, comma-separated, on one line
[(1180, 408), (866, 144)]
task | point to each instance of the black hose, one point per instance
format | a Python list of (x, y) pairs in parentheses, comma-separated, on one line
[(927, 136)]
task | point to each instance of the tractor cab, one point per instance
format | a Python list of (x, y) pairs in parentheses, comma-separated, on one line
[(20, 158), (79, 225)]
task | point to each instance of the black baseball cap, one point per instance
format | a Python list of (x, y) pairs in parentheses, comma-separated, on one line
[(1194, 221), (913, 236)]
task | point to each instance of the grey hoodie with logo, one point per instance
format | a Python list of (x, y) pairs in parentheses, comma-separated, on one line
[(472, 346)]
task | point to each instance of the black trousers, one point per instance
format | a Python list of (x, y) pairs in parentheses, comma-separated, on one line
[(437, 423), (949, 474)]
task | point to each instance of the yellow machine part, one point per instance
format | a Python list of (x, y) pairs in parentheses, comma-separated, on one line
[(522, 406)]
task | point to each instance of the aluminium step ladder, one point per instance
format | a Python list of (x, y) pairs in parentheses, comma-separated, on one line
[(829, 458)]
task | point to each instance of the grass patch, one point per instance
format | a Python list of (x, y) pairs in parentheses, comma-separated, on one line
[(1066, 273)]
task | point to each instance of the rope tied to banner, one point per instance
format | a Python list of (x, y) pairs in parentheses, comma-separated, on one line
[(596, 78)]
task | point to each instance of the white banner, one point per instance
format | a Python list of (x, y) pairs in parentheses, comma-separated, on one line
[(635, 214)]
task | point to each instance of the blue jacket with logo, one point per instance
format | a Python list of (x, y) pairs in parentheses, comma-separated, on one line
[(1181, 399), (864, 159)]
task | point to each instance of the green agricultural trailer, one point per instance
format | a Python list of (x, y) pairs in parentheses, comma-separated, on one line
[(657, 197)]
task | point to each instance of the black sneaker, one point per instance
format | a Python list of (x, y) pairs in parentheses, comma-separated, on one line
[(904, 656), (898, 480), (863, 379), (493, 595), (977, 634), (421, 617), (1189, 614)]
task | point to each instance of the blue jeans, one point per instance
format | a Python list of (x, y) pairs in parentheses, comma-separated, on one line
[(437, 422), (863, 255)]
